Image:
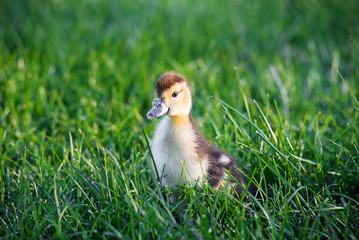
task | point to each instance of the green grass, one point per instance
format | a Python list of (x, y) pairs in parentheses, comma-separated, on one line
[(76, 82)]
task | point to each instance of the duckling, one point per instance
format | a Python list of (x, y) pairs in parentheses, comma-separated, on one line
[(181, 155)]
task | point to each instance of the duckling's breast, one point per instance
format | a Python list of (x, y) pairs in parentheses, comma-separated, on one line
[(175, 156)]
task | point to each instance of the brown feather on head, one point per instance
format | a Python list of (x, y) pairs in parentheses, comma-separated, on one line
[(167, 80)]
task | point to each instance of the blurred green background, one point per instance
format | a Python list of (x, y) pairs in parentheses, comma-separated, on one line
[(91, 64)]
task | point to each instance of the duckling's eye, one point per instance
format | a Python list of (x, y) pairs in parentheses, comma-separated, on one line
[(174, 94)]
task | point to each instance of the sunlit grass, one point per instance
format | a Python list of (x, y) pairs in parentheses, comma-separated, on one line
[(76, 81)]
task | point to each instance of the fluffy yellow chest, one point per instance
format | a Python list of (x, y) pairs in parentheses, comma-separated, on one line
[(174, 151)]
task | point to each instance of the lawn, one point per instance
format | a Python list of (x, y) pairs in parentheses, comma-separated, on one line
[(275, 84)]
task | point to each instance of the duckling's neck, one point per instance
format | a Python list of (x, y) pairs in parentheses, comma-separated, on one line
[(181, 120)]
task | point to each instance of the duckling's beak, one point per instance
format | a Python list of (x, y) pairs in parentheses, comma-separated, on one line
[(159, 108)]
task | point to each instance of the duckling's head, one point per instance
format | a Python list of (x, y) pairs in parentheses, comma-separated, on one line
[(172, 96)]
